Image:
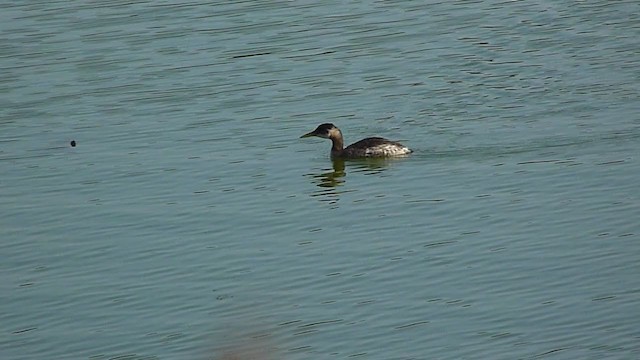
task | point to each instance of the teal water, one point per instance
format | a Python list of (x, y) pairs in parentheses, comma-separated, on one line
[(191, 222)]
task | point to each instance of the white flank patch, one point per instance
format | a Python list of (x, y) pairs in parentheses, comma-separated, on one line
[(387, 150)]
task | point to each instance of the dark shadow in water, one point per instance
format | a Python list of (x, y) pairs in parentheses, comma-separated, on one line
[(372, 166), (330, 181)]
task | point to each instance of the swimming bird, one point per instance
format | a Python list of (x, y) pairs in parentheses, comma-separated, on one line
[(369, 147)]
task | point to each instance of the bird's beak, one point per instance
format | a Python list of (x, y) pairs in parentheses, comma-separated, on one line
[(308, 135)]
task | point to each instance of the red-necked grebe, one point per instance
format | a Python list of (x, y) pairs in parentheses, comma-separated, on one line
[(369, 147)]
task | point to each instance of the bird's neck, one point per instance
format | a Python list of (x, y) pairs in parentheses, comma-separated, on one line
[(338, 144)]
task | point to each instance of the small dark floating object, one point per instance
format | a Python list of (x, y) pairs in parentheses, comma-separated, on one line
[(73, 143), (250, 55)]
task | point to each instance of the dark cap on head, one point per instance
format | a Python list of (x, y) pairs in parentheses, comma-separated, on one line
[(322, 130)]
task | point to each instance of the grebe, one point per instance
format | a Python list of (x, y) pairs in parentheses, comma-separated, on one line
[(369, 147)]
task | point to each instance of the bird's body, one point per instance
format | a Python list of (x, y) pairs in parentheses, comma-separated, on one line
[(369, 147)]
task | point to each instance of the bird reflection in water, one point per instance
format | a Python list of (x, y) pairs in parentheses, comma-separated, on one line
[(330, 181)]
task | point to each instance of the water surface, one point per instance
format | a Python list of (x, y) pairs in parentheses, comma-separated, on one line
[(191, 222)]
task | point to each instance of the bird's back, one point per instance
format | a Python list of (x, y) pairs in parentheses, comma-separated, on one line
[(375, 146)]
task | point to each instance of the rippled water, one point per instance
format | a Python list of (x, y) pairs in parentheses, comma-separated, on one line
[(190, 222)]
